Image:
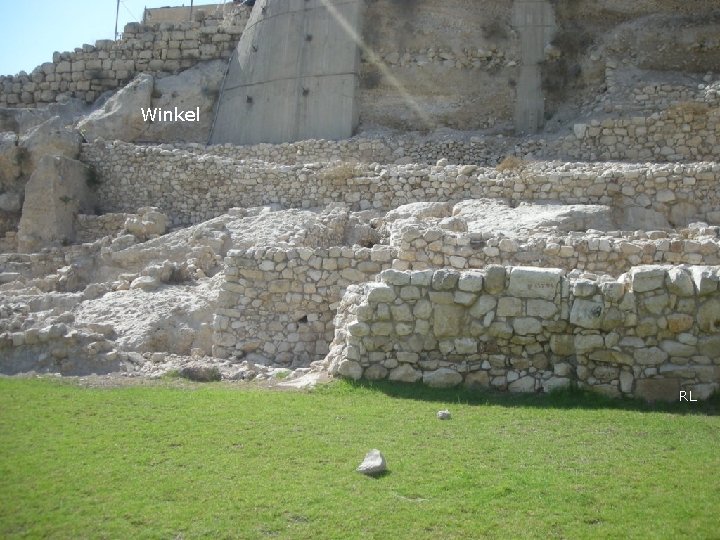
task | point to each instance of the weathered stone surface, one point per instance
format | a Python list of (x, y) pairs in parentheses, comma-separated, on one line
[(148, 222), (51, 138), (350, 369), (529, 282), (375, 372), (562, 345), (444, 280), (646, 278), (120, 118), (708, 316), (145, 283), (192, 90), (527, 325), (494, 278), (9, 162), (587, 314), (442, 378), (658, 389), (201, 373), (705, 279), (523, 384), (380, 293), (420, 210), (483, 305), (405, 373), (477, 379), (447, 320), (650, 357), (10, 202), (373, 464), (611, 357), (56, 193), (471, 281), (679, 282)]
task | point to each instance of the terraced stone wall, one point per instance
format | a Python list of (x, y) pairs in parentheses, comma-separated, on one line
[(683, 131), (278, 304), (87, 72), (191, 188), (649, 333), (423, 245)]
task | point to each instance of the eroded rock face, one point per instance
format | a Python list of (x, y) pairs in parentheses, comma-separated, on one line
[(56, 193), (121, 118), (195, 89), (51, 138)]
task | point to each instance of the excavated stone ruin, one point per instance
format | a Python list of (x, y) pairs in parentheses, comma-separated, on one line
[(436, 245)]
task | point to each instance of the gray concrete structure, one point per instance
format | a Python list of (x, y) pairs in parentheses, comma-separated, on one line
[(294, 74), (536, 24)]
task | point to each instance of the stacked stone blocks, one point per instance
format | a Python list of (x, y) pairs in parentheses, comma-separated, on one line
[(89, 71), (278, 304), (649, 333)]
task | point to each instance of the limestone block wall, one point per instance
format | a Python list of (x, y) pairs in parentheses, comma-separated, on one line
[(192, 188), (87, 72), (278, 304), (487, 151), (683, 131), (423, 245), (649, 333)]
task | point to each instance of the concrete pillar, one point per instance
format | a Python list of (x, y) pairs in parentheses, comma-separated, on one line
[(294, 74), (535, 22)]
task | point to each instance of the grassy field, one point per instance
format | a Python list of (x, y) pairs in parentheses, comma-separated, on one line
[(216, 461)]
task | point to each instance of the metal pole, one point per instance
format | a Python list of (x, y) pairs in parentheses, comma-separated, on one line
[(191, 9), (117, 15)]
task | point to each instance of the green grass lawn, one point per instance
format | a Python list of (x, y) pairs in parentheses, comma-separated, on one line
[(216, 461)]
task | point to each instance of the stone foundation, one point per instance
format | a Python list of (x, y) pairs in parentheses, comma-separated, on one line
[(648, 334)]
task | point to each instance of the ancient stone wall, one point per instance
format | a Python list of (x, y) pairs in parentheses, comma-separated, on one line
[(422, 246), (278, 304), (681, 130), (91, 70), (192, 188), (649, 333)]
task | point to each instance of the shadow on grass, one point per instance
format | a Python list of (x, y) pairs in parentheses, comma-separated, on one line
[(567, 398)]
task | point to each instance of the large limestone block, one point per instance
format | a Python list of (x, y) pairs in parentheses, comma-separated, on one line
[(708, 316), (9, 160), (529, 282), (420, 210), (638, 218), (647, 278), (442, 378), (121, 116), (405, 373), (51, 138), (658, 389), (587, 314), (56, 192), (448, 320)]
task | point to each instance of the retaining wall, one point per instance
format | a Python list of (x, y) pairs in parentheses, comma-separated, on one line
[(278, 304), (649, 334), (423, 245), (192, 188), (87, 72)]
